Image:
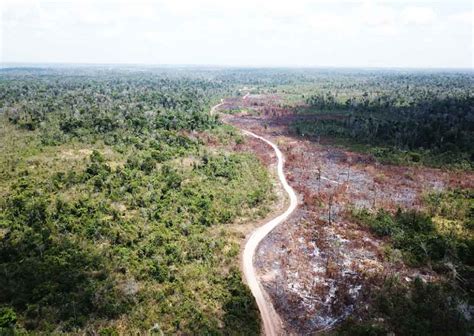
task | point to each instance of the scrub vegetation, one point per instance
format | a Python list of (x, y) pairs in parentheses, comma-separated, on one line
[(115, 210), (440, 239)]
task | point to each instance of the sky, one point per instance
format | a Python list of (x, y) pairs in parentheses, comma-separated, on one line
[(297, 33)]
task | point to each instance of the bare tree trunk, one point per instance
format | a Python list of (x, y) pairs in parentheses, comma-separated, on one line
[(330, 209), (319, 180)]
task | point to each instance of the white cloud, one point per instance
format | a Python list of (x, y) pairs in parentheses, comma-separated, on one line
[(418, 15), (376, 15), (466, 17)]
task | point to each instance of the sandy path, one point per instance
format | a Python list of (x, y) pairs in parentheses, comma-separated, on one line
[(271, 323), (271, 320)]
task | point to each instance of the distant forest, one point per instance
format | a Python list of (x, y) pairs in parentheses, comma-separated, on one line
[(431, 114)]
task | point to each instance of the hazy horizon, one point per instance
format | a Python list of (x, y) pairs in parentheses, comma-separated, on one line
[(221, 66), (303, 34)]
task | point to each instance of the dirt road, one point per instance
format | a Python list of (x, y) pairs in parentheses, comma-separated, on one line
[(271, 321), (215, 107)]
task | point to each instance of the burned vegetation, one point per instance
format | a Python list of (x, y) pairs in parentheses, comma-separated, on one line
[(378, 244)]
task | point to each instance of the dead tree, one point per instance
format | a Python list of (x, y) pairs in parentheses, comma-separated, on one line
[(330, 203), (374, 196), (319, 179)]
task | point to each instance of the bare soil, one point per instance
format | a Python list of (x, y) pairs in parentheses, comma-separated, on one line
[(315, 265)]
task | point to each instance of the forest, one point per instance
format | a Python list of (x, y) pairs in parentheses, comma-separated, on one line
[(400, 118), (117, 192)]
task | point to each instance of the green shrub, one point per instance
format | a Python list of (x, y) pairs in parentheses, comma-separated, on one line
[(351, 327), (7, 318), (416, 235), (108, 331), (420, 309)]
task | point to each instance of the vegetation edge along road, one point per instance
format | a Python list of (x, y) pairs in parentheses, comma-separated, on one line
[(270, 318), (271, 321)]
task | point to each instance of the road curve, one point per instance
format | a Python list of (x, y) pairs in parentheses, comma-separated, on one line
[(271, 322), (269, 316)]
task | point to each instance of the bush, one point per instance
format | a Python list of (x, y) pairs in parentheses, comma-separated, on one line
[(420, 309), (351, 327), (7, 318), (416, 235), (108, 331), (383, 224)]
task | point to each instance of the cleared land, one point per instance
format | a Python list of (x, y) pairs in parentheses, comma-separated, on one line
[(321, 265)]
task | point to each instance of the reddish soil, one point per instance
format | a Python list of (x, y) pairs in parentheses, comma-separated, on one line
[(315, 265)]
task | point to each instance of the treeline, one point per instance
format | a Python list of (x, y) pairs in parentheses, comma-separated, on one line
[(68, 107), (439, 124), (432, 113)]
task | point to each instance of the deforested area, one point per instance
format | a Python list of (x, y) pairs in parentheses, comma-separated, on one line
[(382, 240)]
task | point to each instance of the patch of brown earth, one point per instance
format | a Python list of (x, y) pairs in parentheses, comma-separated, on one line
[(315, 265)]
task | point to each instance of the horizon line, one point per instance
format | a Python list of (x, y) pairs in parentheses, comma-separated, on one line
[(210, 65)]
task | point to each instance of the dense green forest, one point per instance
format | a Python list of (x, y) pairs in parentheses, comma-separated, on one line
[(117, 194), (400, 117)]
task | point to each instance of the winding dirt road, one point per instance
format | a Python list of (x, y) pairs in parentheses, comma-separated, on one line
[(270, 318)]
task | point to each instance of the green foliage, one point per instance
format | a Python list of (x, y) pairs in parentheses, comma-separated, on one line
[(241, 312), (61, 284), (441, 238), (7, 318), (79, 248), (417, 235), (420, 309), (114, 214), (416, 308), (351, 327), (382, 223), (108, 331), (456, 206), (119, 108), (416, 118), (219, 167)]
